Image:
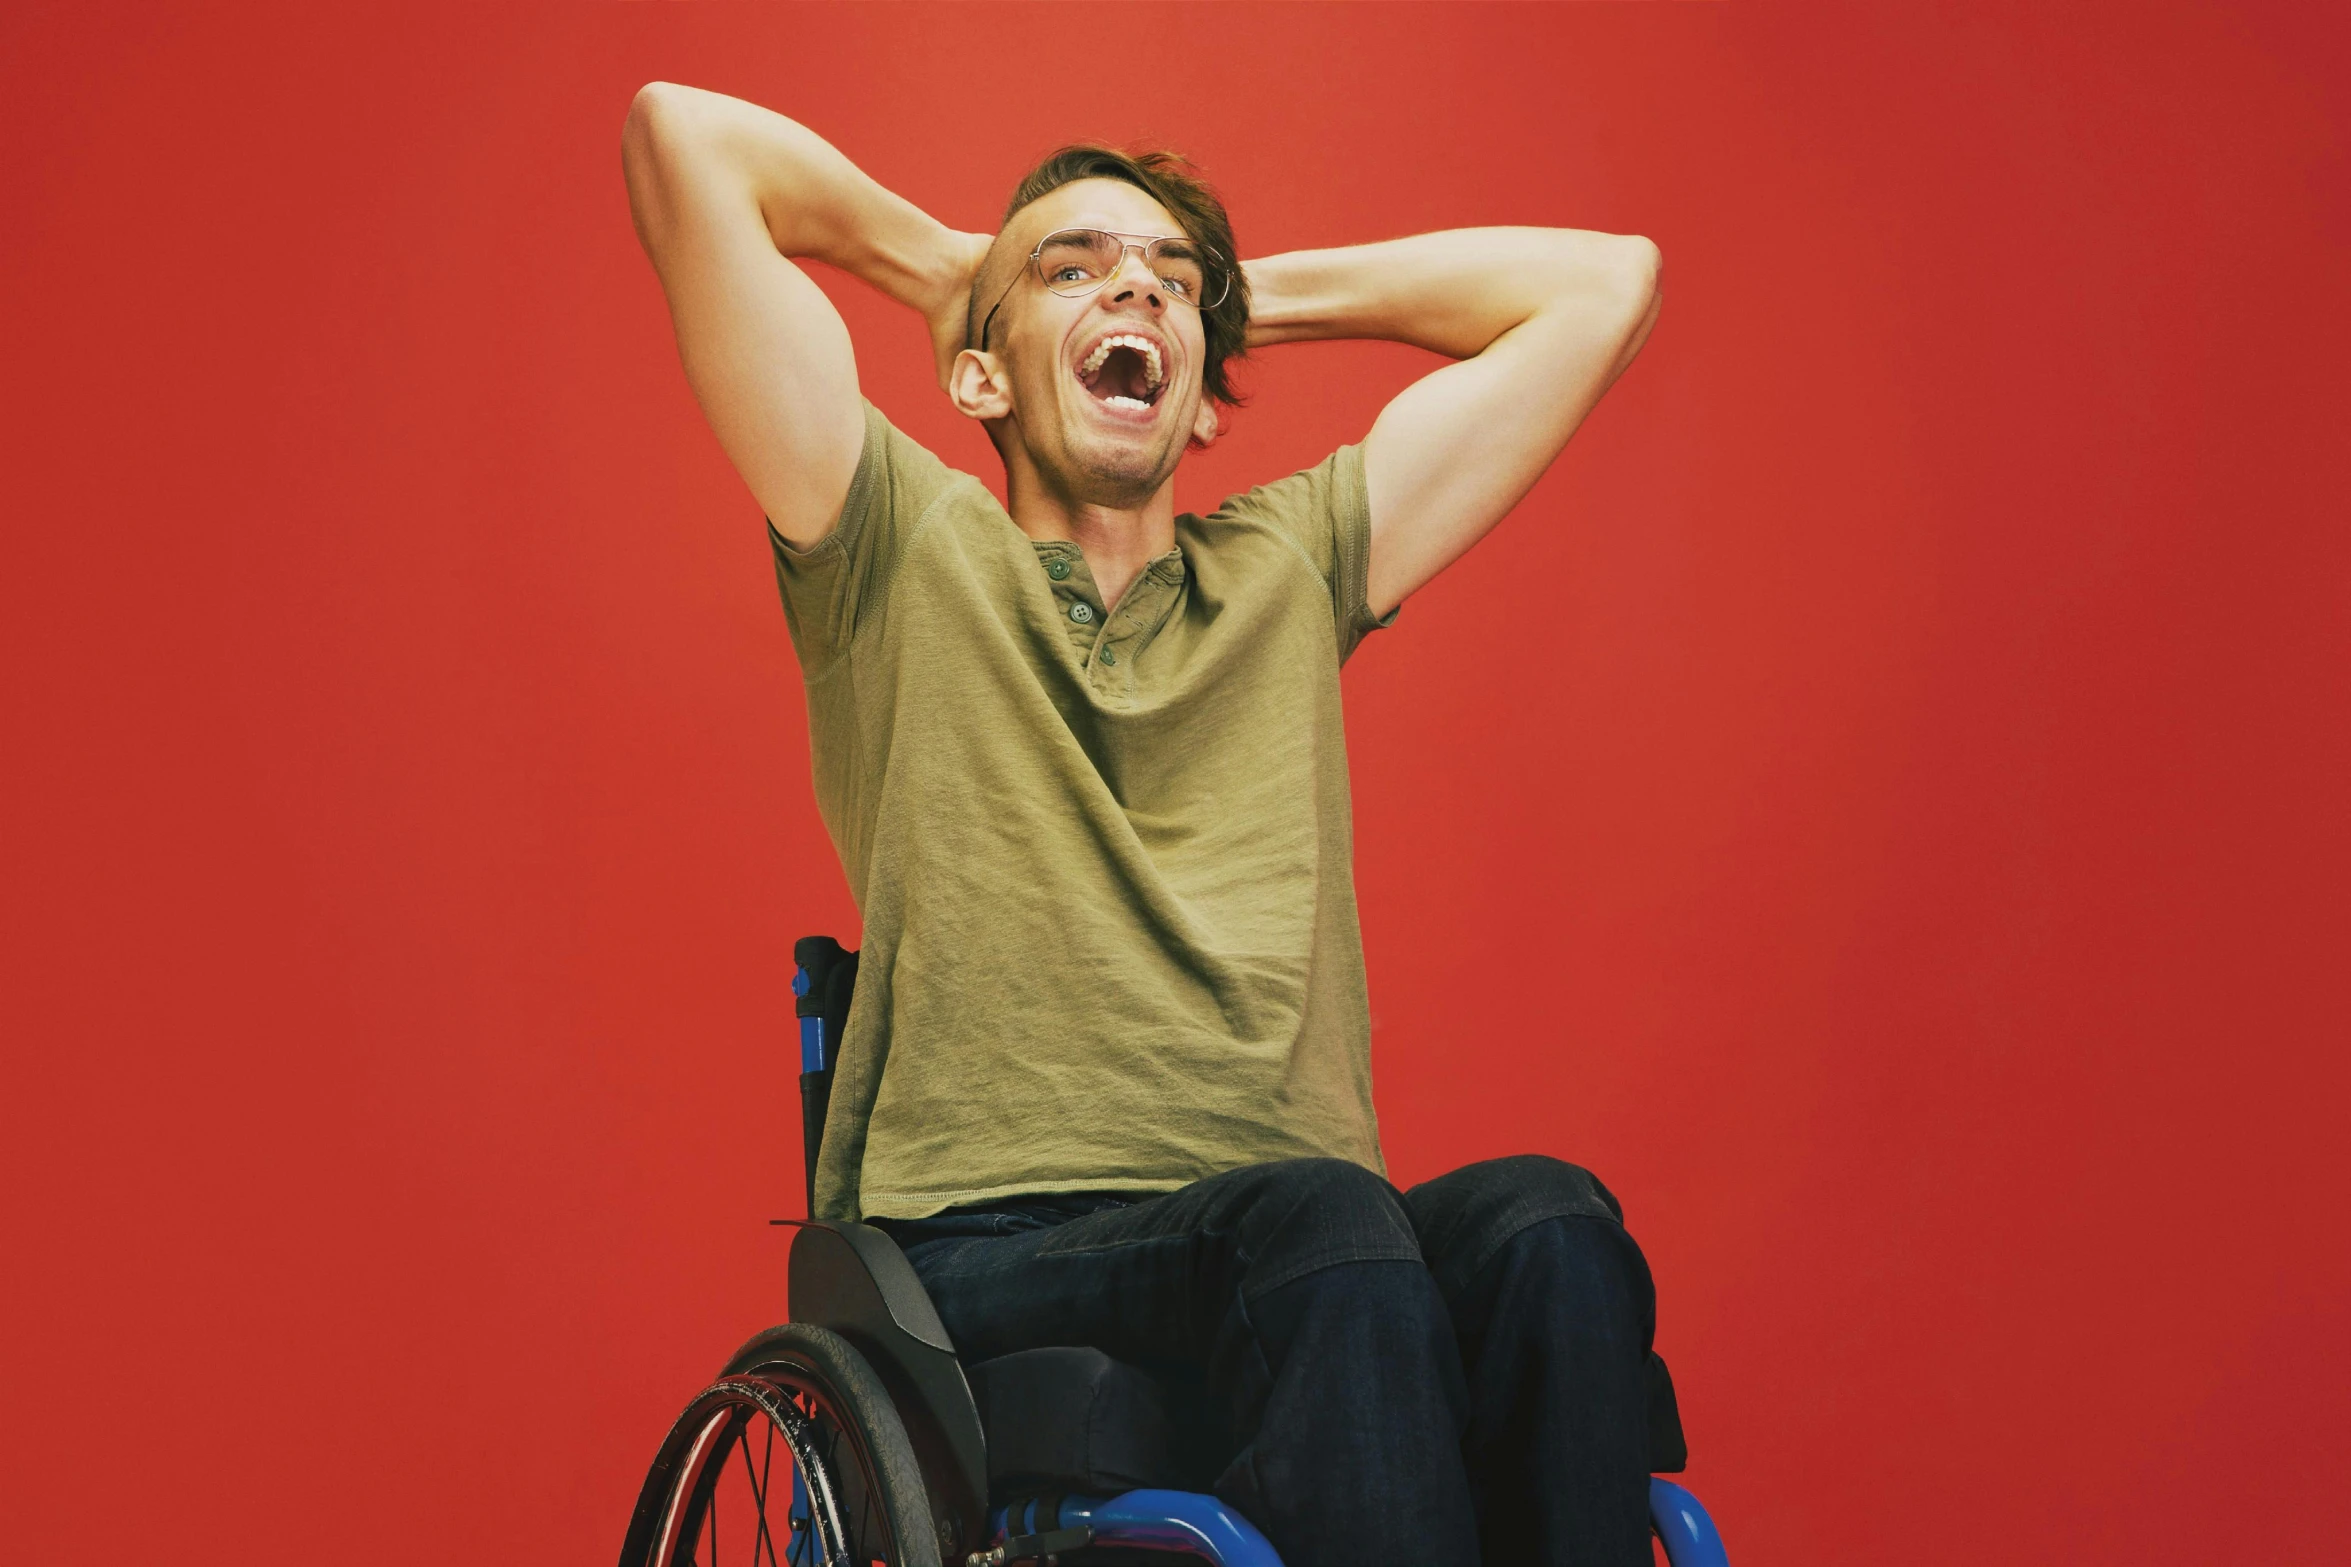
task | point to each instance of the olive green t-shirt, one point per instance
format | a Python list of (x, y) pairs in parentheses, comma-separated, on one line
[(1104, 859)]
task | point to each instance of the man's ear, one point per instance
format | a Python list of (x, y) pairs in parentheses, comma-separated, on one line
[(1205, 428), (978, 386)]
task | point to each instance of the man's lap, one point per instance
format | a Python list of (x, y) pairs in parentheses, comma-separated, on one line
[(1147, 1278), (1154, 1277)]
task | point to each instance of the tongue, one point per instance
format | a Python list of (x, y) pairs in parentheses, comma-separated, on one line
[(1121, 375)]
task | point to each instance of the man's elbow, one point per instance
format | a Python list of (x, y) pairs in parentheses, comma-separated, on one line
[(1644, 260), (1607, 275), (1639, 294), (655, 121), (1636, 273), (651, 140)]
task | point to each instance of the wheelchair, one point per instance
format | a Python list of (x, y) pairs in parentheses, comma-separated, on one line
[(852, 1436)]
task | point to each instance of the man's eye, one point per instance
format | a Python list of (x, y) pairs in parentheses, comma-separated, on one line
[(1071, 273), (1180, 287)]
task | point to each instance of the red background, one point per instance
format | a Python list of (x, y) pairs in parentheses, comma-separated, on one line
[(1880, 801)]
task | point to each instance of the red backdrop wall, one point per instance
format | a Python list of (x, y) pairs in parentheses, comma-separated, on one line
[(1880, 801)]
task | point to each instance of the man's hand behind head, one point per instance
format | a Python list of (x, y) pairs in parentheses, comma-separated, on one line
[(946, 311)]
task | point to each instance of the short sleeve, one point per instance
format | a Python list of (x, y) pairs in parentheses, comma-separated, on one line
[(1324, 511), (833, 588)]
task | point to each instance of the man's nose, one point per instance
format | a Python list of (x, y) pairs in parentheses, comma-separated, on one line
[(1141, 283)]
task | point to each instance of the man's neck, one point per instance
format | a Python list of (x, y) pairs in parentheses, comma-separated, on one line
[(1117, 541)]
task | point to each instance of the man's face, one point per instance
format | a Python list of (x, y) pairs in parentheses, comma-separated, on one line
[(1105, 387)]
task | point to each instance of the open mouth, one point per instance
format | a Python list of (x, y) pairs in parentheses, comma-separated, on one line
[(1124, 372)]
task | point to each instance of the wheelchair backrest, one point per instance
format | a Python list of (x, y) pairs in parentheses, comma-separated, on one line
[(823, 982)]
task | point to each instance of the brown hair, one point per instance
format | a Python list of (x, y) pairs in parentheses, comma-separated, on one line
[(1170, 180)]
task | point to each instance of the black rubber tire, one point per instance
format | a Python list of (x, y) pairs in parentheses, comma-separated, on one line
[(869, 1456)]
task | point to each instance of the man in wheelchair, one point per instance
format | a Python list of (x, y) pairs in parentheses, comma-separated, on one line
[(1106, 1082)]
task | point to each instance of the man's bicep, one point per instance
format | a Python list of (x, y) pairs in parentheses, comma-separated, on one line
[(768, 357), (1456, 450)]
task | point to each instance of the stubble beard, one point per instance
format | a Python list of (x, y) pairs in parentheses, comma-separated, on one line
[(1119, 475), (1099, 470)]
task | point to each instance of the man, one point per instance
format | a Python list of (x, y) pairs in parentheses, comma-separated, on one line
[(1107, 1077)]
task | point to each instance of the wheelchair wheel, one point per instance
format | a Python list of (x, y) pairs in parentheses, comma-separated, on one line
[(794, 1458)]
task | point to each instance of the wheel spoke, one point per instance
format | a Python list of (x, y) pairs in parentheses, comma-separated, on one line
[(758, 1486)]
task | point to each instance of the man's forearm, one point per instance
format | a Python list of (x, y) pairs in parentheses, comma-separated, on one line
[(1453, 293), (814, 202)]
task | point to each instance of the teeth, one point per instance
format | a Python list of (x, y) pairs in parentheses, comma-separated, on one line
[(1152, 372), (1125, 402)]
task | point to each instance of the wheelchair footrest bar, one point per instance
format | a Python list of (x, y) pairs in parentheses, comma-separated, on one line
[(1031, 1547), (1141, 1520)]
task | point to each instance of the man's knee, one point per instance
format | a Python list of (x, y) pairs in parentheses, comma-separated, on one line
[(1464, 1219), (1308, 1214), (1579, 1254)]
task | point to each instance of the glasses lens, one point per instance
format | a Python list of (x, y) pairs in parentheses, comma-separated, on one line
[(1078, 261), (1181, 269)]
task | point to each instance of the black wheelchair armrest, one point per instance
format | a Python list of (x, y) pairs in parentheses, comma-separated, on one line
[(853, 1280), (872, 1281)]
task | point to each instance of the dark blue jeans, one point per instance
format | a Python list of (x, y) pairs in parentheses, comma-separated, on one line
[(1442, 1376)]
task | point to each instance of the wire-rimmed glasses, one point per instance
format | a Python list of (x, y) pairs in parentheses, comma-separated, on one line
[(1075, 262)]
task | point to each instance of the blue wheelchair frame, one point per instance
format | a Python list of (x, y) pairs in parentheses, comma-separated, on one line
[(1189, 1522), (1203, 1526)]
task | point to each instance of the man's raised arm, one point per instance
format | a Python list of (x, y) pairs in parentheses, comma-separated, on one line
[(724, 193), (1543, 322)]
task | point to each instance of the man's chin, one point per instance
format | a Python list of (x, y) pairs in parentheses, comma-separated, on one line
[(1132, 467)]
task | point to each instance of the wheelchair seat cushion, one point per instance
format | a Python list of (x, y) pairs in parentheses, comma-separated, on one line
[(1077, 1420)]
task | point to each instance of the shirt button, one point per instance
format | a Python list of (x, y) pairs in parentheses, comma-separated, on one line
[(1057, 569), (1082, 612), (1109, 657)]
